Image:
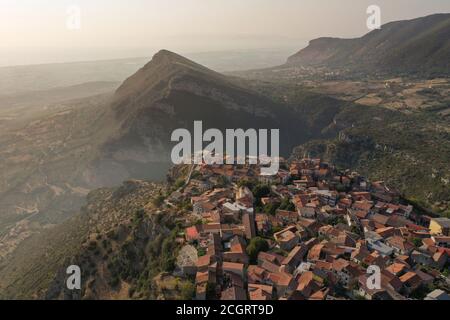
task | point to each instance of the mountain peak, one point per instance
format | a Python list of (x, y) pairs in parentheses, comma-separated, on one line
[(167, 53), (166, 56), (164, 66)]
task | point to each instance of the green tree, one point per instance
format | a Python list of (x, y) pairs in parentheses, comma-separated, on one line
[(255, 246), (179, 183), (286, 204), (261, 190), (417, 242), (222, 182), (271, 208), (187, 290), (246, 183), (158, 200), (446, 214)]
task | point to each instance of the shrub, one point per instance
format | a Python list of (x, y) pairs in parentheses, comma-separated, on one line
[(417, 242), (255, 246), (179, 183), (201, 252), (187, 290), (114, 281), (271, 208), (286, 204), (92, 245), (158, 201), (222, 182), (261, 190), (246, 183)]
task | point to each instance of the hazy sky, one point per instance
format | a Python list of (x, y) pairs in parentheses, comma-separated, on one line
[(36, 30)]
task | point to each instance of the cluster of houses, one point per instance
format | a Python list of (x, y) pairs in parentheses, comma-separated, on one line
[(329, 230)]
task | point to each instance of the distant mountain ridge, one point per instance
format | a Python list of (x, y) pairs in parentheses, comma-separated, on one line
[(419, 45)]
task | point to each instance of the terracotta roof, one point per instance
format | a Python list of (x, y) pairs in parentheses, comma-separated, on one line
[(269, 266), (285, 236), (204, 261), (256, 270), (260, 291), (389, 279), (202, 277), (360, 254), (192, 233), (411, 278), (305, 279), (258, 295), (439, 255), (428, 242), (296, 254), (362, 203), (442, 239), (354, 270), (233, 267), (271, 257), (207, 206), (324, 265), (340, 264), (319, 295), (379, 218), (385, 231), (281, 278), (361, 214), (400, 243), (396, 268), (234, 293), (314, 253), (211, 226)]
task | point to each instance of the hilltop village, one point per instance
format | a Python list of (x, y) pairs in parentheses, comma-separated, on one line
[(308, 233)]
